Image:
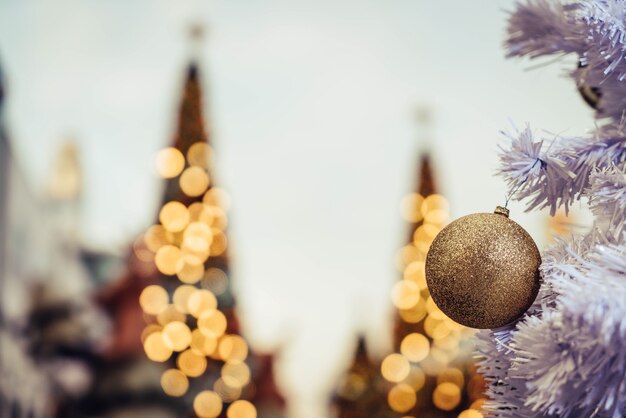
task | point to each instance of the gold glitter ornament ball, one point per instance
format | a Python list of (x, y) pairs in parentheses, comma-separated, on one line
[(482, 270)]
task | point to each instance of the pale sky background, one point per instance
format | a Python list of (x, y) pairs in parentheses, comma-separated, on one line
[(312, 111)]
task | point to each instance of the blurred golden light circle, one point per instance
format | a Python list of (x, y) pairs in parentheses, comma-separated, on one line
[(407, 255), (169, 162), (436, 217), (181, 297), (174, 382), (194, 181), (431, 230), (478, 403), (239, 371), (174, 216), (153, 299), (395, 367), (433, 309), (452, 375), (216, 280), (241, 409), (446, 396), (219, 244), (416, 273), (202, 344), (217, 197), (405, 294), (415, 313), (149, 329), (155, 348), (195, 209), (212, 323), (233, 348), (470, 413), (170, 314), (141, 251), (192, 364), (199, 154), (207, 404), (219, 219), (227, 388), (416, 378), (197, 237), (191, 273), (415, 347), (430, 324), (401, 397), (155, 237), (176, 336), (169, 260), (432, 365), (434, 202), (410, 207), (201, 301)]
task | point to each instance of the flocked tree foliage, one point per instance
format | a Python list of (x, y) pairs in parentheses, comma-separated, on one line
[(567, 356)]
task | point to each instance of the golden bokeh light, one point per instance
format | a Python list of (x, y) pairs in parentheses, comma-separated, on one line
[(199, 154), (220, 220), (405, 294), (181, 297), (215, 280), (201, 344), (174, 382), (238, 372), (433, 309), (219, 244), (470, 413), (395, 367), (415, 347), (217, 197), (176, 336), (452, 375), (190, 273), (434, 202), (241, 409), (410, 207), (415, 313), (227, 388), (155, 348), (401, 397), (191, 363), (207, 404), (153, 299), (194, 181), (447, 396), (149, 329), (478, 404), (169, 260), (170, 314), (416, 378), (233, 348), (416, 273), (174, 216), (212, 323), (155, 237), (169, 162), (407, 255), (201, 301), (197, 237)]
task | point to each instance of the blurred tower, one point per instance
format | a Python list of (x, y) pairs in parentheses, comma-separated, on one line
[(24, 388), (192, 324), (431, 369), (361, 392)]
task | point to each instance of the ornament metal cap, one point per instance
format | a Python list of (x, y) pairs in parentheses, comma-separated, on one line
[(501, 211)]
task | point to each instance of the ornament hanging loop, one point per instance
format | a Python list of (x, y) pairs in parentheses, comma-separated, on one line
[(501, 211)]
